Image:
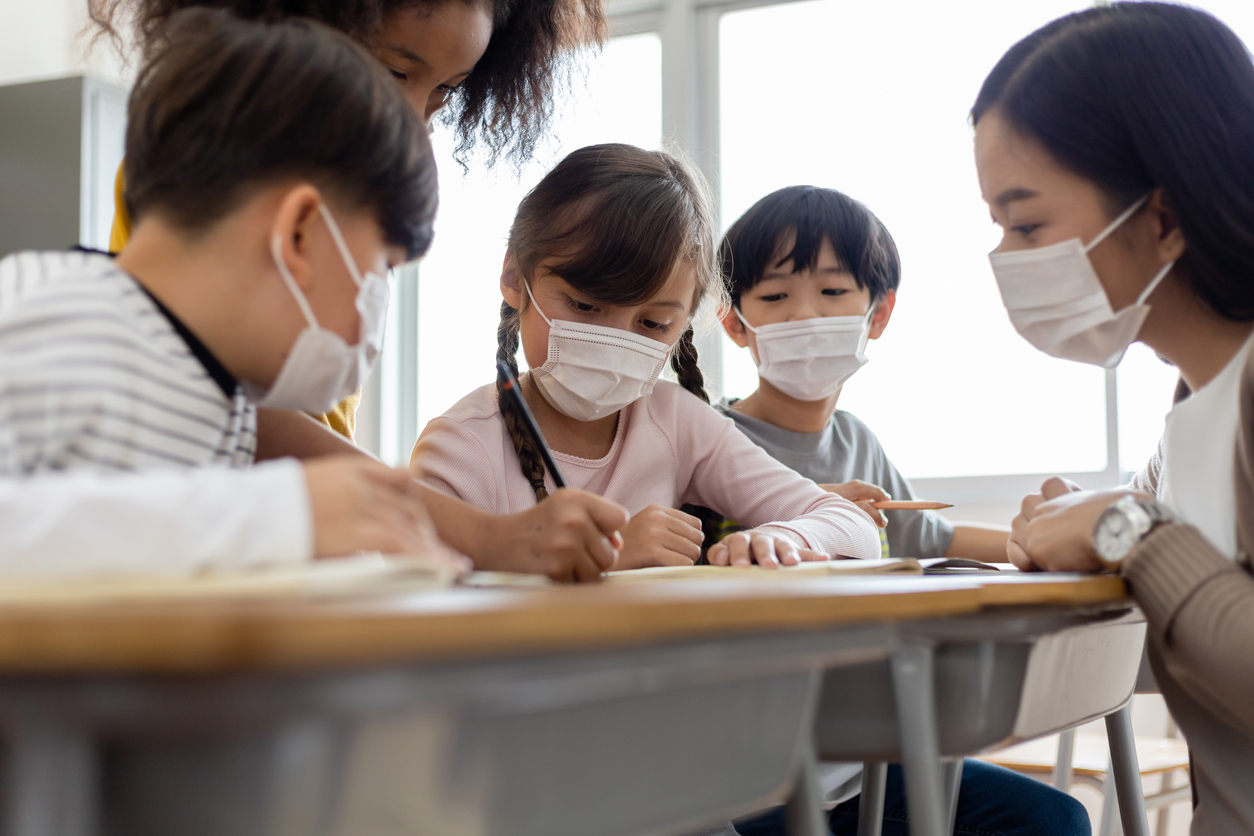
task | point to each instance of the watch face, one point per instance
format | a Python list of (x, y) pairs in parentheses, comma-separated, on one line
[(1115, 536)]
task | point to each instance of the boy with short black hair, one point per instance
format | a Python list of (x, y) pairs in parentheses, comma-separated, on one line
[(274, 173), (812, 275)]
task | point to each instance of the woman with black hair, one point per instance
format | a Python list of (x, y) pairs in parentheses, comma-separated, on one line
[(496, 65), (1115, 148)]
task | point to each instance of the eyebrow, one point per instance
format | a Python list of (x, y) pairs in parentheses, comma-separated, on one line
[(1016, 193), (826, 271), (409, 55), (670, 303)]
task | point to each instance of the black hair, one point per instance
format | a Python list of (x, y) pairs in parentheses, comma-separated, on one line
[(503, 106), (1144, 96), (791, 224), (226, 105), (613, 221)]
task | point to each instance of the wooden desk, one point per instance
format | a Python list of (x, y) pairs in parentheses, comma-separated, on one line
[(449, 624), (651, 708)]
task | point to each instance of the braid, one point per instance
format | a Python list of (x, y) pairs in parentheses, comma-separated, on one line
[(528, 456), (684, 362)]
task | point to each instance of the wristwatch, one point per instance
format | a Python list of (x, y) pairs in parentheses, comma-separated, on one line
[(1125, 524)]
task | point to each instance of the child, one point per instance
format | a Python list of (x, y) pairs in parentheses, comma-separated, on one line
[(274, 172), (812, 274), (609, 258)]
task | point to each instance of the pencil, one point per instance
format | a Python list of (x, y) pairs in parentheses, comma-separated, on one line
[(509, 385), (909, 505)]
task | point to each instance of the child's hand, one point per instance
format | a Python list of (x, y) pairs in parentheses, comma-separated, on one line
[(769, 549), (358, 504), (571, 536), (659, 536), (862, 494)]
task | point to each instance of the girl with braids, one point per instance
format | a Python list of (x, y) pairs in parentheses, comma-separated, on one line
[(609, 259)]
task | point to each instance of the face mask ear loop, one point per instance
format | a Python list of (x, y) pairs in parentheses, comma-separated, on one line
[(527, 287), (1154, 282), (276, 250), (340, 243), (744, 322), (1116, 223)]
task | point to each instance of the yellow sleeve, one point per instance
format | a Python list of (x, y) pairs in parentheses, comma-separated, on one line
[(121, 231), (343, 419)]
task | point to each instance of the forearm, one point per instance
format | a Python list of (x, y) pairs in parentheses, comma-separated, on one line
[(837, 532), (282, 433), (1200, 609), (461, 525), (169, 523), (978, 541)]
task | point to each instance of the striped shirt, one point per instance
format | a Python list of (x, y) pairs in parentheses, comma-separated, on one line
[(95, 374)]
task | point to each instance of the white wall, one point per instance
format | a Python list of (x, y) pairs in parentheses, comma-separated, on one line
[(47, 38)]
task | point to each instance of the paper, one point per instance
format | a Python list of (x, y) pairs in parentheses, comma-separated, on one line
[(824, 568), (364, 574)]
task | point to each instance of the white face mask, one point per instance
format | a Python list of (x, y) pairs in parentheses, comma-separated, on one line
[(593, 371), (322, 369), (1057, 303), (810, 359)]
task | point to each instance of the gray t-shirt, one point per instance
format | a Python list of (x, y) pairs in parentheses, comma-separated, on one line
[(848, 450)]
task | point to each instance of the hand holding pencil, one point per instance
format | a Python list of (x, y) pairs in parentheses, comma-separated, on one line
[(873, 499)]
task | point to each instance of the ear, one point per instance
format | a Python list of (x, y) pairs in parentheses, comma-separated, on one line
[(511, 282), (883, 312), (735, 328), (294, 219), (1170, 237)]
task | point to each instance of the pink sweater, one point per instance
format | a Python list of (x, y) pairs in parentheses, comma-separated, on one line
[(670, 449)]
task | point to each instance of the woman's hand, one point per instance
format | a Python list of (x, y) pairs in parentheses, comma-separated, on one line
[(767, 548), (660, 536), (862, 494), (1054, 529)]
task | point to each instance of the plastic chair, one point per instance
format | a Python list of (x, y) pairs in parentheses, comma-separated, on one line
[(1085, 759)]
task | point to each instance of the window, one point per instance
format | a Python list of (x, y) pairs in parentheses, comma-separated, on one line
[(951, 390)]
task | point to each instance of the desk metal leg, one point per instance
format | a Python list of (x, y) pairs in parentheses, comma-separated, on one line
[(804, 809), (951, 775), (1064, 772), (871, 801), (914, 689), (50, 783), (1126, 772)]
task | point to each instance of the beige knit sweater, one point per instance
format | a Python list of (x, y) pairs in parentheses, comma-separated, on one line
[(1200, 608)]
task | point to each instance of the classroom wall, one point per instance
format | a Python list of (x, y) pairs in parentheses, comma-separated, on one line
[(48, 38)]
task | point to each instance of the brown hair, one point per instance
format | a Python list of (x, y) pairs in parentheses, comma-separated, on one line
[(505, 104), (224, 105), (613, 221)]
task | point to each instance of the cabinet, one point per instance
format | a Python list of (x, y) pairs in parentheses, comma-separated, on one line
[(61, 142)]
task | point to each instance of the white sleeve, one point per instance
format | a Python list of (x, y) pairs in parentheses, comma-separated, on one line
[(60, 525)]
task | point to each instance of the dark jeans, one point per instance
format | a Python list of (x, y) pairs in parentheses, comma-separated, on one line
[(992, 801)]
